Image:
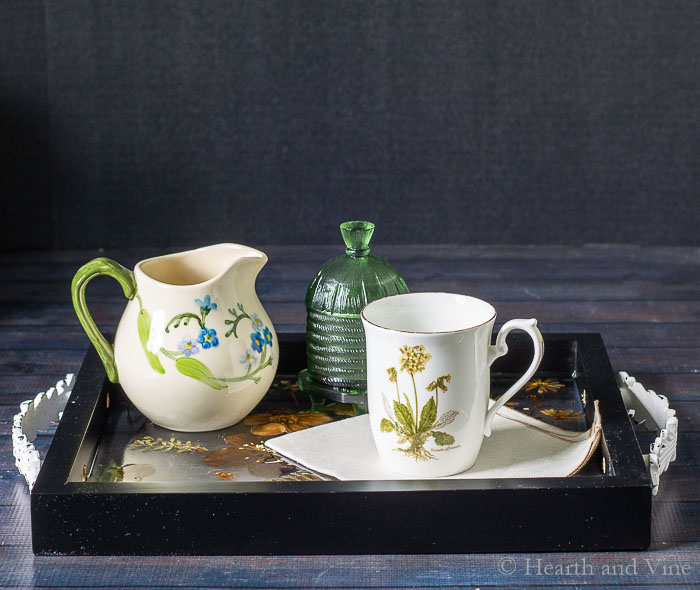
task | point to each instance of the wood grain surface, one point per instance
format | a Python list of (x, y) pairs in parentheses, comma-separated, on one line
[(644, 301)]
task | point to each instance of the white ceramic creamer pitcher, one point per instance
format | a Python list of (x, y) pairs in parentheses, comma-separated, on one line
[(194, 349)]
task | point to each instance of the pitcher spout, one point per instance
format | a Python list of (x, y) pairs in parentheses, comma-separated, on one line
[(245, 260), (203, 265)]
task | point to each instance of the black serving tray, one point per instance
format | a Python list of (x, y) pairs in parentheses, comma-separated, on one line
[(607, 506)]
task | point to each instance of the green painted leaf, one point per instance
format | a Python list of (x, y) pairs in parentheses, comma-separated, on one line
[(386, 426), (144, 325), (404, 416), (154, 361), (198, 370), (442, 438), (409, 406), (428, 415)]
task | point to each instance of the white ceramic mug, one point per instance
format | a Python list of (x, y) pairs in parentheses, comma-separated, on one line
[(428, 378)]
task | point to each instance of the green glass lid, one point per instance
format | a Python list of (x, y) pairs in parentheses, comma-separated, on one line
[(345, 284)]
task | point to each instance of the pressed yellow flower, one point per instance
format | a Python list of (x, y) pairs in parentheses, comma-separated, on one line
[(272, 424), (544, 385), (561, 414), (413, 359), (148, 443), (392, 374)]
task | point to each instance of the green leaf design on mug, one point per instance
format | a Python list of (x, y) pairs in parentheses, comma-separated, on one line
[(195, 369), (144, 326), (442, 438), (405, 417), (428, 415), (386, 426)]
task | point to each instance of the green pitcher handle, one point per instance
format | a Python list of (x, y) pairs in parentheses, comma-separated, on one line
[(87, 272)]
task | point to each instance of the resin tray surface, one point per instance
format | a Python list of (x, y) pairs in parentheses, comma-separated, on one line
[(122, 485)]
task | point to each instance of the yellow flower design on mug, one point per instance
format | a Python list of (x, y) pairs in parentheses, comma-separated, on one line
[(413, 359), (412, 424)]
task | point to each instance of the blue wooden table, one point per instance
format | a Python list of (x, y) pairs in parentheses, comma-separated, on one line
[(644, 301)]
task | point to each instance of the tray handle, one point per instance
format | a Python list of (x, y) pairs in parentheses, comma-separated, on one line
[(36, 415), (645, 406)]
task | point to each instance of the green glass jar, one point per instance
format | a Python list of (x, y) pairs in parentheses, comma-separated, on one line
[(335, 339)]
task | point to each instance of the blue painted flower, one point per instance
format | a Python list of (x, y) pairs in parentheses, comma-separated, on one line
[(207, 338), (257, 341), (267, 336), (206, 304), (257, 322), (188, 346), (249, 358)]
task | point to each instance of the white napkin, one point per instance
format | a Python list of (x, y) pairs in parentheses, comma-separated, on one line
[(519, 446)]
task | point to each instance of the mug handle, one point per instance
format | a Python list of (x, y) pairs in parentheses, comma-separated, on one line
[(87, 272), (501, 348)]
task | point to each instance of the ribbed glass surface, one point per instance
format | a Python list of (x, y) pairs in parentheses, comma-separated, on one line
[(335, 339), (335, 349)]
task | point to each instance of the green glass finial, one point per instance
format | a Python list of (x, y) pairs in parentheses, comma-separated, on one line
[(335, 338), (357, 235)]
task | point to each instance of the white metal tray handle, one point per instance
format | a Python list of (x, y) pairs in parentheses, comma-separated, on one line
[(647, 407), (36, 415)]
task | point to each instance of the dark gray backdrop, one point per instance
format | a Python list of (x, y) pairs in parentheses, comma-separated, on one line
[(178, 122)]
